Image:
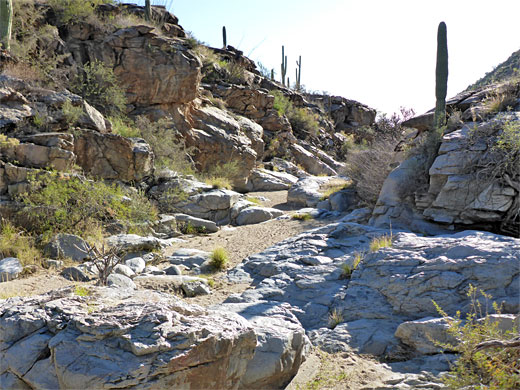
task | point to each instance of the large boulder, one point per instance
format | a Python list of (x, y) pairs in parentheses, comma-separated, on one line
[(69, 246), (311, 162), (110, 156), (265, 180), (118, 338), (10, 268)]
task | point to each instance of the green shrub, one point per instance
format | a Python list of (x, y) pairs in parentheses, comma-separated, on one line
[(219, 258), (281, 103), (346, 269), (75, 10), (167, 145), (62, 203), (124, 127), (188, 228), (71, 113), (301, 119), (222, 175), (15, 243), (81, 291), (97, 83), (7, 142), (485, 361)]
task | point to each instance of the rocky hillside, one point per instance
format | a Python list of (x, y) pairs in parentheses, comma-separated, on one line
[(506, 70), (132, 156)]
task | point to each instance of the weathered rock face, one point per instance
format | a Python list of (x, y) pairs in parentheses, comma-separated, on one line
[(399, 282), (115, 339), (154, 70), (310, 162), (461, 189), (219, 138), (346, 113), (111, 156), (249, 102)]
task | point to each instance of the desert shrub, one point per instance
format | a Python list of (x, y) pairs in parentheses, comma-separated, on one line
[(489, 358), (8, 142), (500, 101), (188, 228), (82, 291), (97, 83), (75, 10), (301, 119), (166, 142), (124, 127), (222, 175), (368, 167), (384, 241), (302, 216), (219, 258), (346, 269), (281, 102), (70, 112), (60, 203), (14, 242)]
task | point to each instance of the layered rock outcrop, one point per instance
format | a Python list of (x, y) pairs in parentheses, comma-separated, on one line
[(116, 338), (471, 181)]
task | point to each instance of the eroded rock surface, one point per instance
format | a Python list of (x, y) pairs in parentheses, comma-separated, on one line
[(114, 339)]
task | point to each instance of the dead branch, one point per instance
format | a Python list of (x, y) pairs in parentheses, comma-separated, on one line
[(497, 343)]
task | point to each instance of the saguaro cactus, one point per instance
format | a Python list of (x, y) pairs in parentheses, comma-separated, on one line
[(224, 37), (272, 74), (148, 10), (6, 21), (283, 66), (441, 77), (298, 72)]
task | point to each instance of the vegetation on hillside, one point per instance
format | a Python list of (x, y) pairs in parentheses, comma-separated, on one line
[(508, 69)]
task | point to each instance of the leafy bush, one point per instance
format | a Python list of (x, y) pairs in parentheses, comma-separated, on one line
[(219, 258), (489, 358), (124, 127), (60, 203), (97, 83), (188, 228), (222, 175), (301, 119), (15, 243)]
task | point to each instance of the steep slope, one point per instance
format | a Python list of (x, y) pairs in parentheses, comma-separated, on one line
[(507, 69)]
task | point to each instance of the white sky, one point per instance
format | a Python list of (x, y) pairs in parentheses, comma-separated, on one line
[(381, 53)]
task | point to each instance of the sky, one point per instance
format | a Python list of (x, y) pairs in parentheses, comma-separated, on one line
[(379, 52)]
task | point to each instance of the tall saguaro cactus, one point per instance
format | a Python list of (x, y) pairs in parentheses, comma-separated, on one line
[(224, 37), (148, 10), (441, 77), (6, 21), (283, 66), (298, 73)]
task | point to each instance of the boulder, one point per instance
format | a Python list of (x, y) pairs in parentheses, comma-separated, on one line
[(10, 268), (310, 162), (282, 344), (136, 264), (208, 226), (189, 258), (110, 156), (306, 192), (132, 338), (124, 270), (255, 214), (264, 180), (426, 335), (120, 281), (64, 245), (134, 243)]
